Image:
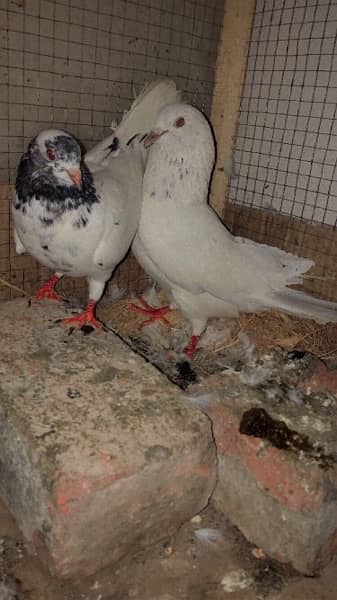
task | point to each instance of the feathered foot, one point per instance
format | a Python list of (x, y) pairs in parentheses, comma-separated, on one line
[(87, 317), (154, 314), (47, 291), (192, 346)]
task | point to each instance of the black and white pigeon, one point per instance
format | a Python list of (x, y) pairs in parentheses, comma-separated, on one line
[(78, 214), (182, 244)]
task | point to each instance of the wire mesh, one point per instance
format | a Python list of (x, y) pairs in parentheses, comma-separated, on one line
[(286, 144), (74, 65)]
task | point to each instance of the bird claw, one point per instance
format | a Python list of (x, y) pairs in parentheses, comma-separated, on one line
[(154, 314), (87, 317), (48, 292), (191, 348)]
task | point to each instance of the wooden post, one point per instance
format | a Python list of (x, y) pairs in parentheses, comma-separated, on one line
[(229, 78)]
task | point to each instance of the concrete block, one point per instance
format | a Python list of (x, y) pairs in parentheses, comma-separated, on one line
[(99, 454), (278, 483)]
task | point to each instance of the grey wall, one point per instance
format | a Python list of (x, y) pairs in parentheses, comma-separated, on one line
[(286, 148), (74, 63)]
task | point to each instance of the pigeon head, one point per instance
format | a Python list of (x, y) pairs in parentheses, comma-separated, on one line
[(182, 142), (57, 154), (183, 125), (53, 172)]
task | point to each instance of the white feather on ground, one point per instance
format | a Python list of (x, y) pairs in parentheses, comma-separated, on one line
[(209, 536)]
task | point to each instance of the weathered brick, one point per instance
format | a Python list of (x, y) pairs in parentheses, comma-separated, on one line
[(100, 457), (321, 379), (283, 500)]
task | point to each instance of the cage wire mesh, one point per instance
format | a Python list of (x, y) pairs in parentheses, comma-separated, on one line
[(75, 65), (286, 146), (285, 153)]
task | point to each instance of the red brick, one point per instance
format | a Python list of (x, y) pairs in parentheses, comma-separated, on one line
[(283, 501), (321, 380), (275, 471), (100, 455)]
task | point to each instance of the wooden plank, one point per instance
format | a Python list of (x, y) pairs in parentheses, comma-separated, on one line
[(229, 78)]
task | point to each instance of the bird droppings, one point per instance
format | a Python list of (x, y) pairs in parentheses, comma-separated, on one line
[(236, 580), (87, 329), (258, 423), (186, 375), (72, 393)]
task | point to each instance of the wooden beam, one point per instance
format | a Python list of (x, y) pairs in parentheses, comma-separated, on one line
[(229, 79)]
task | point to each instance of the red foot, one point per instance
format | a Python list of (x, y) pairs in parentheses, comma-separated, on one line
[(154, 314), (48, 290), (87, 317), (191, 349)]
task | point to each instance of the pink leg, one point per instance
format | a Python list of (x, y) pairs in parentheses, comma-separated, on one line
[(48, 290), (87, 317), (154, 314), (192, 347)]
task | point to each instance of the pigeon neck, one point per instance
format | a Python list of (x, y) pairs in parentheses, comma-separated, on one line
[(175, 178)]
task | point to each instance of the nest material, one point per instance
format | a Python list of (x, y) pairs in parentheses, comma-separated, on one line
[(266, 330), (276, 329)]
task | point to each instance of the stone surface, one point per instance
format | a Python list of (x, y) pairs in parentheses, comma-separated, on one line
[(321, 379), (281, 496), (99, 454)]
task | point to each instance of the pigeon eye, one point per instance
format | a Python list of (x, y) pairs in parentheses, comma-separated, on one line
[(180, 122), (50, 154)]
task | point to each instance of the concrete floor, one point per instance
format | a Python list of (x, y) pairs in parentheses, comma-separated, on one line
[(207, 560)]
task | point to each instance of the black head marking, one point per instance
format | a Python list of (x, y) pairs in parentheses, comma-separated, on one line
[(64, 147), (35, 178)]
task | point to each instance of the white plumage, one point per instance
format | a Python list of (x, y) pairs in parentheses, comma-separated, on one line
[(184, 246), (78, 217)]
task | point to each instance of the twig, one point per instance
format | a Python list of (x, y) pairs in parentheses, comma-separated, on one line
[(10, 285)]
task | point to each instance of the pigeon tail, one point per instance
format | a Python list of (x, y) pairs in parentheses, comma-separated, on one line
[(139, 119), (284, 267), (145, 108), (299, 303)]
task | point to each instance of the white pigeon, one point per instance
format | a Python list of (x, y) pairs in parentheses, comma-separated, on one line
[(186, 249), (78, 215)]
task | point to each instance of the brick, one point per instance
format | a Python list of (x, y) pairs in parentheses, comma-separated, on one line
[(282, 500), (100, 456), (321, 380)]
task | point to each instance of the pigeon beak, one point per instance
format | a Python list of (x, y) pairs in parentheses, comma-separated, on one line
[(76, 176), (153, 136)]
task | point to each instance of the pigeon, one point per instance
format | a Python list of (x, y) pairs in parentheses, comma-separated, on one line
[(184, 247), (77, 214)]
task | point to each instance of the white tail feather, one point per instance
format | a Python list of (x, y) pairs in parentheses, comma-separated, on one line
[(140, 118), (145, 108), (289, 267), (299, 303)]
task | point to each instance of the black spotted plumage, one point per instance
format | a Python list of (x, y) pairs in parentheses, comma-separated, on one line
[(78, 213), (35, 179), (113, 146)]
